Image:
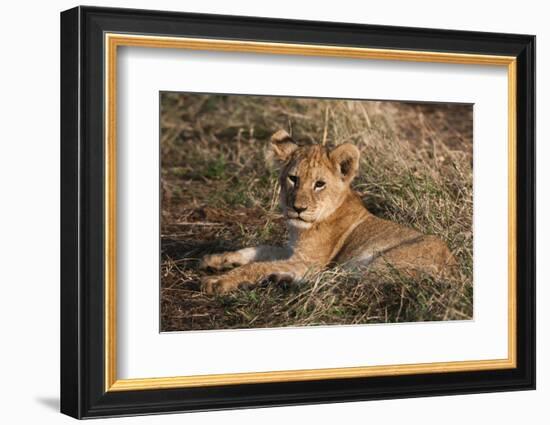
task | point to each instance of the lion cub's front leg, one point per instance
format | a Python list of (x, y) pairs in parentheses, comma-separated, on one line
[(254, 273), (231, 259), (227, 260)]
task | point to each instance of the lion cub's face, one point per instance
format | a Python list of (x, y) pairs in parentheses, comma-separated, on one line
[(314, 181)]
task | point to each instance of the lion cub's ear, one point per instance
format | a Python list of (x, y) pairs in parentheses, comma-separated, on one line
[(346, 159), (283, 145)]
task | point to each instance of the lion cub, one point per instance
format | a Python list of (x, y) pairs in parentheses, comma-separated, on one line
[(328, 224)]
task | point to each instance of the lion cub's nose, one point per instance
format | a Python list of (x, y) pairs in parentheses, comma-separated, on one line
[(299, 210)]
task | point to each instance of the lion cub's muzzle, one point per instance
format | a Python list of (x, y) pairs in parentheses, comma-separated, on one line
[(301, 217)]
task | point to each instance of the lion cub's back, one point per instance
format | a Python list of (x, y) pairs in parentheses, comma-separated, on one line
[(377, 241), (374, 235)]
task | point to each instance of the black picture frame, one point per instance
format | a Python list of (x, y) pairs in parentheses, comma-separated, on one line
[(83, 392)]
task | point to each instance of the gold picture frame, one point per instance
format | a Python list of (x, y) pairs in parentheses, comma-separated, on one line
[(114, 41)]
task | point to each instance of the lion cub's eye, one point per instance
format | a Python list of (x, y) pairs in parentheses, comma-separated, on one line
[(319, 184), (293, 179)]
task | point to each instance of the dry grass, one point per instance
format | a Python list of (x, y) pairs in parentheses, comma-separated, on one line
[(219, 192)]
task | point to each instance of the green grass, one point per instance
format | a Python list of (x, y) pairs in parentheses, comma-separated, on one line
[(219, 192)]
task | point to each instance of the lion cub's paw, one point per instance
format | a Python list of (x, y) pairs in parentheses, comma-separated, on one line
[(218, 284), (225, 260)]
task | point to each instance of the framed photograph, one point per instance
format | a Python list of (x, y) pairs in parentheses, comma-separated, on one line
[(261, 212)]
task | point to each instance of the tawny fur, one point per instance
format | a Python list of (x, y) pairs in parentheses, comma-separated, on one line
[(328, 225)]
